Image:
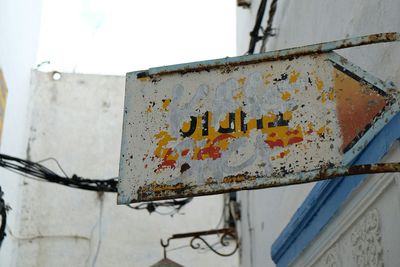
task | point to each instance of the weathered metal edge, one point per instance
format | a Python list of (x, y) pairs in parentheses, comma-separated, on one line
[(269, 56), (375, 128), (387, 114), (121, 198), (252, 183), (354, 69)]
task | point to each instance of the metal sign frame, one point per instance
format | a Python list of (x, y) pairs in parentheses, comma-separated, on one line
[(128, 191)]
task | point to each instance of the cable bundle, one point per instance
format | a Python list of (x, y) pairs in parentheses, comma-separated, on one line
[(3, 214), (37, 171), (175, 204)]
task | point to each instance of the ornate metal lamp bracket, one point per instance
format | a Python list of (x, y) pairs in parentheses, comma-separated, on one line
[(227, 235)]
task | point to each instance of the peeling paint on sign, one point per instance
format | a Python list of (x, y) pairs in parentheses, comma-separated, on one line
[(245, 126)]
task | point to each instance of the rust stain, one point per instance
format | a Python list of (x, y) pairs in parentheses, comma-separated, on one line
[(289, 54), (324, 173), (210, 180), (155, 187), (237, 179), (354, 99)]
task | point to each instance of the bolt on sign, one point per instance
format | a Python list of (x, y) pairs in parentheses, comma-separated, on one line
[(248, 122)]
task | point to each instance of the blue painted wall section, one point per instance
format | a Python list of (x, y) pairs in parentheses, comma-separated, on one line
[(326, 198)]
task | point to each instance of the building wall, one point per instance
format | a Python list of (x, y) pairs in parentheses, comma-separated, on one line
[(345, 198), (19, 35), (364, 232), (266, 212), (78, 121)]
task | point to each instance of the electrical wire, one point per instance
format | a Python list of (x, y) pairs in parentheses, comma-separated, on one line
[(222, 217), (257, 26), (269, 30), (58, 164), (36, 171), (177, 248), (175, 204), (3, 214)]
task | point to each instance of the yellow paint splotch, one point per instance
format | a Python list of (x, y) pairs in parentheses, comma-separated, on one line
[(323, 97), (144, 79), (165, 104), (285, 96), (267, 78), (319, 83), (331, 95), (242, 81), (238, 96), (163, 138), (294, 76)]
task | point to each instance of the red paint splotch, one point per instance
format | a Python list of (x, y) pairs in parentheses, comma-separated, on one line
[(289, 132), (277, 143), (213, 151), (295, 140), (185, 152), (167, 163)]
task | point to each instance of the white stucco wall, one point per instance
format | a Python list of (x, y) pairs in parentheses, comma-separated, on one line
[(19, 37), (301, 23)]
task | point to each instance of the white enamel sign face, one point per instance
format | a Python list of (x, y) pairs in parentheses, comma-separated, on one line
[(237, 127)]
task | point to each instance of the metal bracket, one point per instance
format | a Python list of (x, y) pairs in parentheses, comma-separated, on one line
[(227, 235)]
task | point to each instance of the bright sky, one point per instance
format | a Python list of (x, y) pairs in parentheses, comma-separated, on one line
[(119, 36)]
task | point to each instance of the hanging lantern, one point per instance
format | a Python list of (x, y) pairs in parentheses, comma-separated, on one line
[(166, 263)]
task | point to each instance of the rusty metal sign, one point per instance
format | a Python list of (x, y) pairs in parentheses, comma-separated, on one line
[(248, 122)]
